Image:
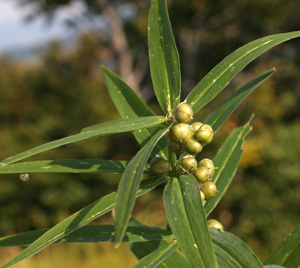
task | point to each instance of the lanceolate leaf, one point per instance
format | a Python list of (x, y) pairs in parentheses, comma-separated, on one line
[(157, 256), (219, 116), (287, 254), (112, 127), (92, 233), (67, 166), (232, 252), (142, 249), (273, 266), (219, 77), (130, 105), (227, 160), (164, 58), (129, 184), (80, 218), (188, 222)]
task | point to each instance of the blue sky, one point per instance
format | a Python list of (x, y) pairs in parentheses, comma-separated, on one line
[(15, 33)]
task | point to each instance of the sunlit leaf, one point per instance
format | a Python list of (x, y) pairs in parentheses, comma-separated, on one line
[(287, 254), (108, 128), (232, 252), (91, 233), (142, 249), (220, 76), (129, 184), (164, 58), (227, 160), (67, 166), (157, 256), (219, 116), (188, 222), (130, 105)]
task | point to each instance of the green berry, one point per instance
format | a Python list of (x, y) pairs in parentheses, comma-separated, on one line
[(209, 189), (192, 146), (215, 224), (195, 126), (208, 164), (184, 113), (201, 174), (202, 196), (159, 166), (175, 147), (180, 132), (189, 163), (205, 134)]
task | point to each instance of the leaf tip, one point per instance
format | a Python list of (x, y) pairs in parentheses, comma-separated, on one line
[(250, 119), (117, 245)]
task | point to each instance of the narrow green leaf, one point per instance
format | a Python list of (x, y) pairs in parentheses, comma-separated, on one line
[(142, 249), (232, 252), (80, 218), (157, 256), (188, 222), (287, 254), (129, 184), (219, 116), (273, 266), (130, 105), (220, 76), (67, 166), (92, 233), (112, 127), (164, 58), (227, 160)]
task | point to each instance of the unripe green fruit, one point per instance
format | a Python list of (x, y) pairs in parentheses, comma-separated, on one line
[(205, 134), (201, 174), (215, 224), (181, 132), (189, 163), (202, 196), (184, 113), (209, 189), (195, 126), (159, 166), (175, 147), (208, 164), (192, 146)]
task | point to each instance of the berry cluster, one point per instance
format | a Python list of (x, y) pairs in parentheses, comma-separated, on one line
[(203, 172), (183, 137)]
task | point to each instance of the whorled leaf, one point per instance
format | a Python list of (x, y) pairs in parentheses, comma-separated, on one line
[(232, 252), (219, 116), (107, 128), (157, 256), (142, 249), (287, 254), (92, 233), (129, 184), (187, 220), (67, 166), (164, 58), (227, 160), (220, 76), (129, 105)]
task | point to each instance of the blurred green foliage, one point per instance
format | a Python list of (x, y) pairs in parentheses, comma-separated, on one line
[(65, 92)]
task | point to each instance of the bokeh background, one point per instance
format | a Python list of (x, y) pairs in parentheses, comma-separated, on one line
[(53, 88)]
